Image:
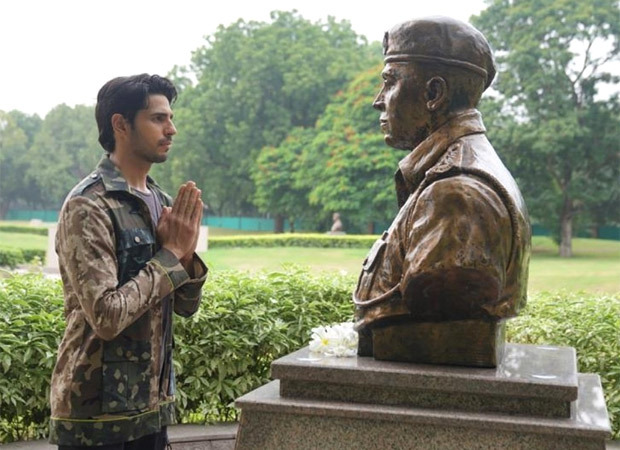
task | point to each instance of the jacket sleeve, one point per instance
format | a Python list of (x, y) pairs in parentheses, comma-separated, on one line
[(187, 297), (459, 238), (86, 248)]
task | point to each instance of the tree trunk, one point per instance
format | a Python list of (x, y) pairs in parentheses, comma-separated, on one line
[(278, 224), (566, 234), (291, 225), (4, 208), (370, 228)]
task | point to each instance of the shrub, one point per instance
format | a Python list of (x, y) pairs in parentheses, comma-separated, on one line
[(11, 257), (294, 240), (245, 322), (31, 325), (25, 229)]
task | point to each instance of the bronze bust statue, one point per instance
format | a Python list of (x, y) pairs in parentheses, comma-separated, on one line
[(439, 283)]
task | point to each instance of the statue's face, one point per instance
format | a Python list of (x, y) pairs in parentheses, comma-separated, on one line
[(404, 118)]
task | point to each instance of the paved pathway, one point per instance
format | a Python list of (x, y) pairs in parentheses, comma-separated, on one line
[(182, 437)]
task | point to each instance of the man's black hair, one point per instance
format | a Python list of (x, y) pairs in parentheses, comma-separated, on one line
[(127, 96)]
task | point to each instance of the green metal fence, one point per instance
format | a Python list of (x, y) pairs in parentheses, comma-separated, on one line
[(260, 224), (240, 223), (25, 215)]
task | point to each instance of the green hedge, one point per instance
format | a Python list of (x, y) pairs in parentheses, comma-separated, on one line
[(225, 349), (294, 240), (24, 229), (12, 257), (31, 325)]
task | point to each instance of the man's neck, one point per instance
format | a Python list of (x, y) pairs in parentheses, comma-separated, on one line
[(134, 171)]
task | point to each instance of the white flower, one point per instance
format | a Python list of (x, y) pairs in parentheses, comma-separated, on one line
[(335, 340)]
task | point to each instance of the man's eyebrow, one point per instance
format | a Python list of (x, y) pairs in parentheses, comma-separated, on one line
[(162, 113)]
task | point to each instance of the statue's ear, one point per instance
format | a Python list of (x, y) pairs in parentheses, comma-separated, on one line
[(436, 93)]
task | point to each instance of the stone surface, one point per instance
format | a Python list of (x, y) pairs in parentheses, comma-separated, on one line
[(229, 442), (534, 399), (532, 380), (182, 437), (203, 239), (271, 421), (200, 437), (51, 258)]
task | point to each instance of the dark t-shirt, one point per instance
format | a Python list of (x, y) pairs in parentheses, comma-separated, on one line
[(152, 202)]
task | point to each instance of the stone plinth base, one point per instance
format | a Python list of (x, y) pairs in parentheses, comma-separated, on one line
[(534, 399)]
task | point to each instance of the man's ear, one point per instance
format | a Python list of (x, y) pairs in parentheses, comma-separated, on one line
[(436, 93), (119, 124)]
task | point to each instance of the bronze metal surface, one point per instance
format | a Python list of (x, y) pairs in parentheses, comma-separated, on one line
[(475, 343)]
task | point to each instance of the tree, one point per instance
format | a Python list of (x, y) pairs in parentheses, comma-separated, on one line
[(343, 164), (17, 131), (274, 176), (64, 151), (256, 82), (354, 173), (550, 122)]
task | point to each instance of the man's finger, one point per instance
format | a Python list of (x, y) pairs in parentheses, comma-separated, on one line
[(186, 205), (176, 205), (191, 205), (197, 212)]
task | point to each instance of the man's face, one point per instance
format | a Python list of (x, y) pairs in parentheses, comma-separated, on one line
[(404, 118), (152, 131)]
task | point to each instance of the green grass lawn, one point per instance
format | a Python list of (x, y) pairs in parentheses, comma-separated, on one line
[(23, 241), (272, 259), (594, 268)]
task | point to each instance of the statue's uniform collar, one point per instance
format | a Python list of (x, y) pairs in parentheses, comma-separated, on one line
[(413, 167)]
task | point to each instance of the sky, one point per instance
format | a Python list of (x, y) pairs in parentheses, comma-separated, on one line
[(63, 51)]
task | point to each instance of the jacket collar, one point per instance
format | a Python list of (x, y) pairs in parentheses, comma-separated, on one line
[(113, 179), (413, 167)]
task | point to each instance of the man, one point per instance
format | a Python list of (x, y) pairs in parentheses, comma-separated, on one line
[(127, 260), (456, 255)]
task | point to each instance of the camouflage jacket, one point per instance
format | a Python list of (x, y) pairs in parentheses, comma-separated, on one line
[(459, 246), (113, 380)]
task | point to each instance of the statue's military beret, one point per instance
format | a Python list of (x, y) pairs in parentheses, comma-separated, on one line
[(443, 40)]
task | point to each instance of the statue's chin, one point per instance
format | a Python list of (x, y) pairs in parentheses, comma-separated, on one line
[(396, 143)]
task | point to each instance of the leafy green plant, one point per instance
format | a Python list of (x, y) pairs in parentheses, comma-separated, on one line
[(31, 325), (294, 240), (24, 229), (11, 257)]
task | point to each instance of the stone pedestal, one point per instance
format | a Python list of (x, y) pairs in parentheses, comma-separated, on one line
[(51, 258), (534, 399)]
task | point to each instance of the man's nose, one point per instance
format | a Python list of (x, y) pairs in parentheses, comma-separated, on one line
[(171, 129)]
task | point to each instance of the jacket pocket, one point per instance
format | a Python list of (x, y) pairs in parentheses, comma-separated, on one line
[(135, 248), (126, 375)]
